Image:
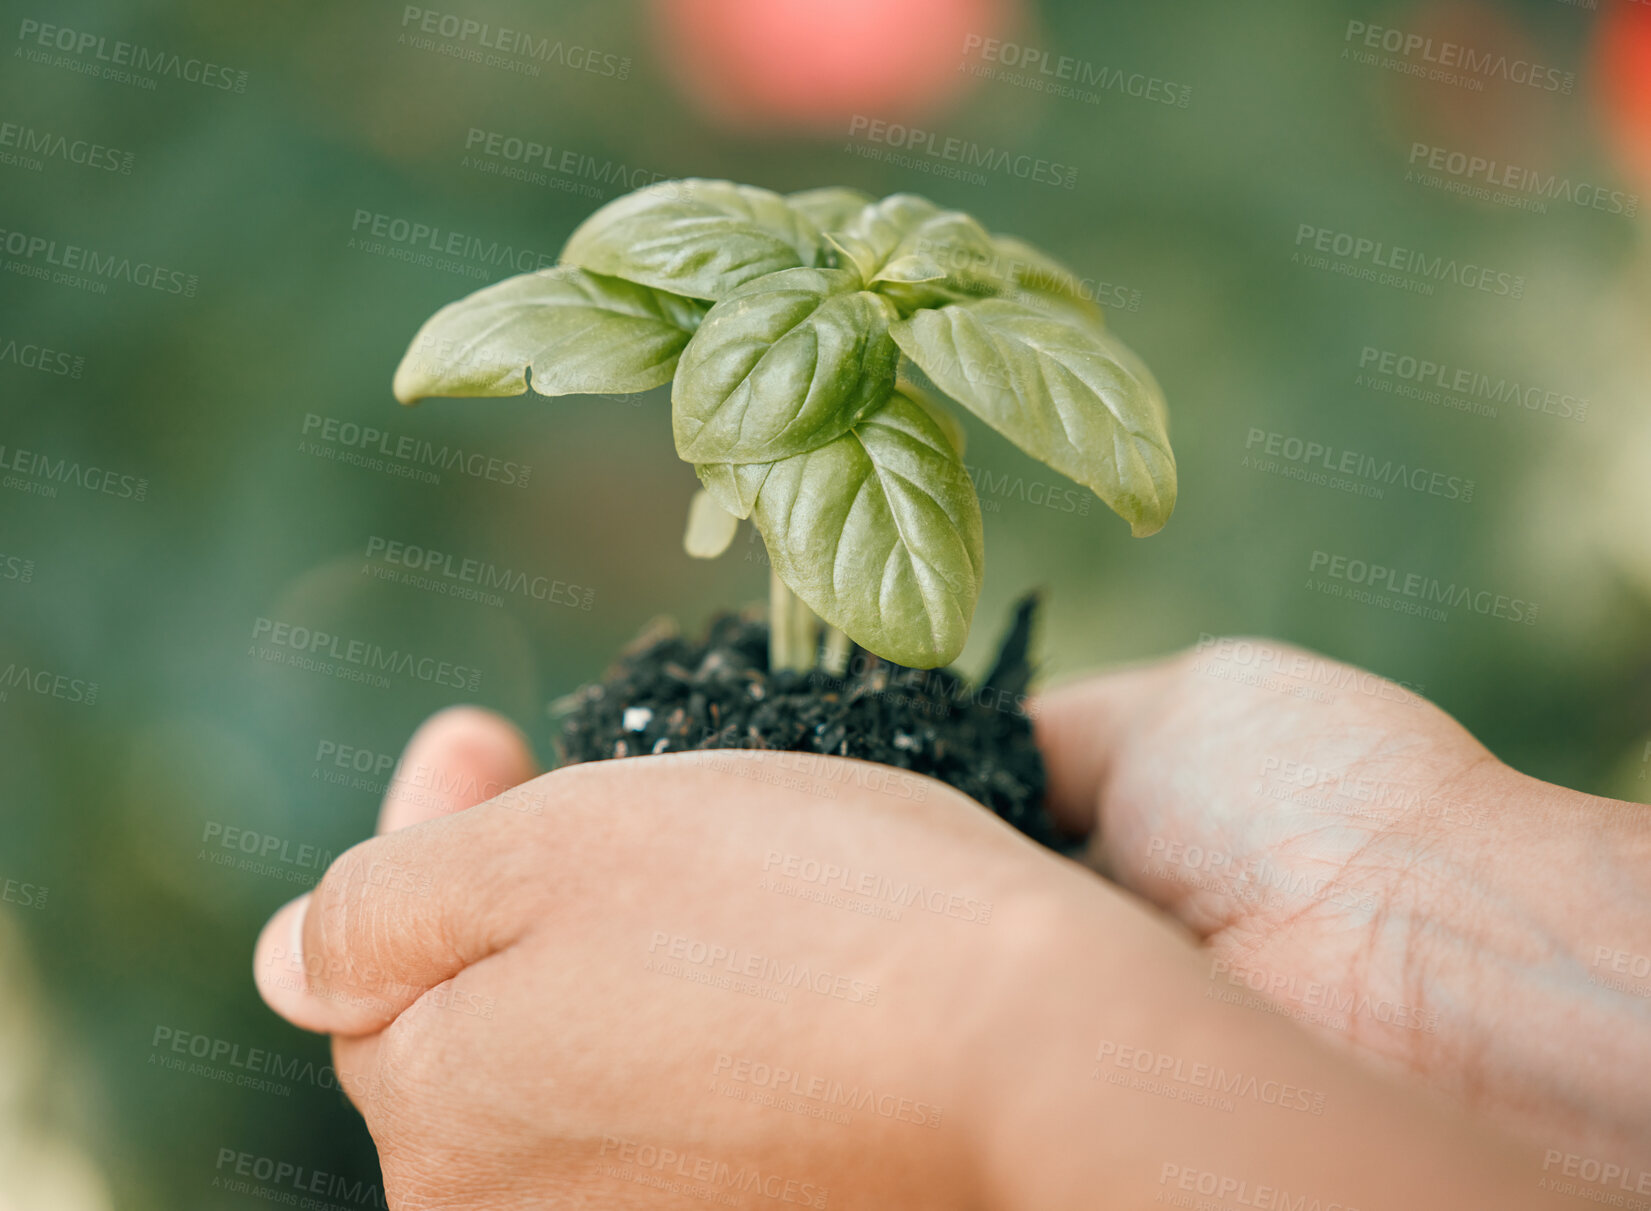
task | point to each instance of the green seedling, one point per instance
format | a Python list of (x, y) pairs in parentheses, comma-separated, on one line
[(814, 343)]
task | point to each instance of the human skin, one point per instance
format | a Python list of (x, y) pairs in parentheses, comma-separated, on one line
[(1368, 852), (489, 972)]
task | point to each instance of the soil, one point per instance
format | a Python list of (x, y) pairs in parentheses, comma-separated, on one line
[(667, 695)]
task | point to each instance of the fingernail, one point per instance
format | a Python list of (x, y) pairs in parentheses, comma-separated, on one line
[(295, 946), (282, 974)]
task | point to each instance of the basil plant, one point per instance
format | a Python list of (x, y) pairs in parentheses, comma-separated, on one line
[(812, 342)]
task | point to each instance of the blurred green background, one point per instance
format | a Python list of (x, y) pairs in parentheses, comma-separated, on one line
[(119, 933)]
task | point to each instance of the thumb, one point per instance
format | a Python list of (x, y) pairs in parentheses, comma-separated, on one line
[(1083, 726), (458, 758)]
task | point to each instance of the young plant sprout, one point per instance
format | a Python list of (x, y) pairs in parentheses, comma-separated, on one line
[(813, 342)]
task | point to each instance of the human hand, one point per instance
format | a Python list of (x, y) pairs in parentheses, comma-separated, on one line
[(525, 996), (526, 1013), (1349, 852)]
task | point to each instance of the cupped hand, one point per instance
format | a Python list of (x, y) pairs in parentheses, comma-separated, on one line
[(1352, 857), (769, 980), (737, 977)]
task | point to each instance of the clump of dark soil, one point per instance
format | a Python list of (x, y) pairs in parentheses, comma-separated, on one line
[(668, 694)]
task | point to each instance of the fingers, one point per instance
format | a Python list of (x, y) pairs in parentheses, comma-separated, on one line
[(458, 758), (397, 915), (1082, 726)]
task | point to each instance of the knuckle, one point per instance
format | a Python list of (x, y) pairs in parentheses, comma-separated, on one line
[(418, 1088), (410, 1058), (400, 1088)]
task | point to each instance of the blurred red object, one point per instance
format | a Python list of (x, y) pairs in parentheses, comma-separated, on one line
[(814, 64), (1622, 68)]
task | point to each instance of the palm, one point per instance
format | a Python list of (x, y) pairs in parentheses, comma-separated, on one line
[(1293, 835)]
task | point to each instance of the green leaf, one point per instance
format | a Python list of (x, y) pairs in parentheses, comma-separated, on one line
[(829, 209), (879, 533), (695, 237), (734, 486), (1039, 280), (953, 244), (1033, 269), (579, 332), (783, 364), (710, 527), (881, 225), (869, 238), (1073, 397), (919, 255), (916, 386)]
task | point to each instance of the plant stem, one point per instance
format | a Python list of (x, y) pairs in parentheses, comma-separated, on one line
[(834, 660), (791, 635)]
